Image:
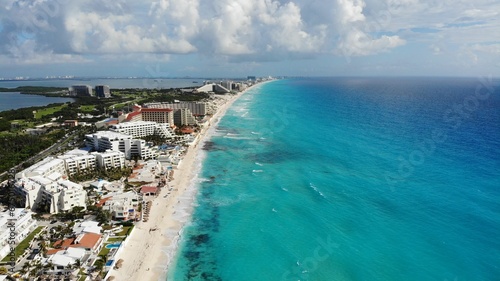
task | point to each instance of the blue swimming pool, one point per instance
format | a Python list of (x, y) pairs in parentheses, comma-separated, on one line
[(109, 263), (114, 245)]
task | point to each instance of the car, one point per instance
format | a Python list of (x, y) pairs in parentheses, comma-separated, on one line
[(53, 221), (33, 254)]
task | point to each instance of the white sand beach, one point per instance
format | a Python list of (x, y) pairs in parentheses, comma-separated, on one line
[(152, 245)]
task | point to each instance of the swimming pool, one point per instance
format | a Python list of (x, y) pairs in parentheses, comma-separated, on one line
[(109, 263), (114, 245)]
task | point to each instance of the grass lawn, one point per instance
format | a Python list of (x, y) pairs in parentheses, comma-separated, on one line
[(116, 239), (49, 110), (104, 251), (125, 231), (87, 108), (24, 244)]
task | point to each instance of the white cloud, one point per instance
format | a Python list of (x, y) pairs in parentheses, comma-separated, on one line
[(242, 30)]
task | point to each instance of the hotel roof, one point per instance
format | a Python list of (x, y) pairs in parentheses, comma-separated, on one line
[(87, 240), (111, 135), (149, 189), (156, 110)]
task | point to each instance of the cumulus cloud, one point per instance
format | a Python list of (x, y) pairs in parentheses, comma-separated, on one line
[(237, 30), (224, 27)]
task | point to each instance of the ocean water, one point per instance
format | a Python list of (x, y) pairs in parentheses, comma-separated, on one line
[(350, 179)]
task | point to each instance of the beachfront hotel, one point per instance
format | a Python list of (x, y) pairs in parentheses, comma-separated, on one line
[(78, 160), (121, 206), (44, 168), (54, 194), (105, 141), (138, 129), (196, 108), (110, 159), (23, 224)]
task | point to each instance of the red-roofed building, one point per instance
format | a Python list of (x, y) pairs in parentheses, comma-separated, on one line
[(149, 190), (102, 201), (89, 241), (134, 116), (158, 115)]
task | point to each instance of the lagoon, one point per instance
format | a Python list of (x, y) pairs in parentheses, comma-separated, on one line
[(15, 100)]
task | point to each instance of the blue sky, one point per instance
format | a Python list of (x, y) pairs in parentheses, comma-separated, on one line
[(236, 38)]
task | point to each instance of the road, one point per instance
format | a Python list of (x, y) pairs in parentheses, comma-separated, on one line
[(43, 154)]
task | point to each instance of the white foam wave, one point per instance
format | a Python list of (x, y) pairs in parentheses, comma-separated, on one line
[(316, 189), (257, 171), (258, 164), (236, 138)]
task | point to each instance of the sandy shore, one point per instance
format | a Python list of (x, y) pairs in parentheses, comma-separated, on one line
[(152, 245)]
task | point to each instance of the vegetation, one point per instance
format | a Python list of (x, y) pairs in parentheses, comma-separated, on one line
[(33, 89), (6, 198), (21, 248), (125, 231), (17, 148), (76, 213), (49, 111), (108, 174), (104, 251)]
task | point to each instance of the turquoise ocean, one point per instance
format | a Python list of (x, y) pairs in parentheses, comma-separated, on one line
[(350, 179)]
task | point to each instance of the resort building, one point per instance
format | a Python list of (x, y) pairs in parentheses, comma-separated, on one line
[(44, 168), (158, 115), (138, 129), (213, 88), (18, 221), (183, 117), (61, 259), (196, 108), (63, 195), (52, 194), (110, 159), (87, 227), (138, 147), (121, 206), (77, 161), (81, 91), (102, 91), (105, 140)]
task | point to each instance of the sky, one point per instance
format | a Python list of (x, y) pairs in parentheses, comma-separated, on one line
[(236, 38)]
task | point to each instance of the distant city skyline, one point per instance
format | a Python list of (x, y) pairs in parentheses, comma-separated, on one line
[(193, 38)]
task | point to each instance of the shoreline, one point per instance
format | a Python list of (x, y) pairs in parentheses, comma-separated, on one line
[(152, 246)]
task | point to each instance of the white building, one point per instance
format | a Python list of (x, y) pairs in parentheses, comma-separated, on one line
[(104, 140), (183, 117), (138, 147), (87, 227), (136, 129), (197, 108), (78, 160), (139, 129), (113, 141), (110, 159), (44, 168), (55, 194), (19, 222), (122, 206)]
